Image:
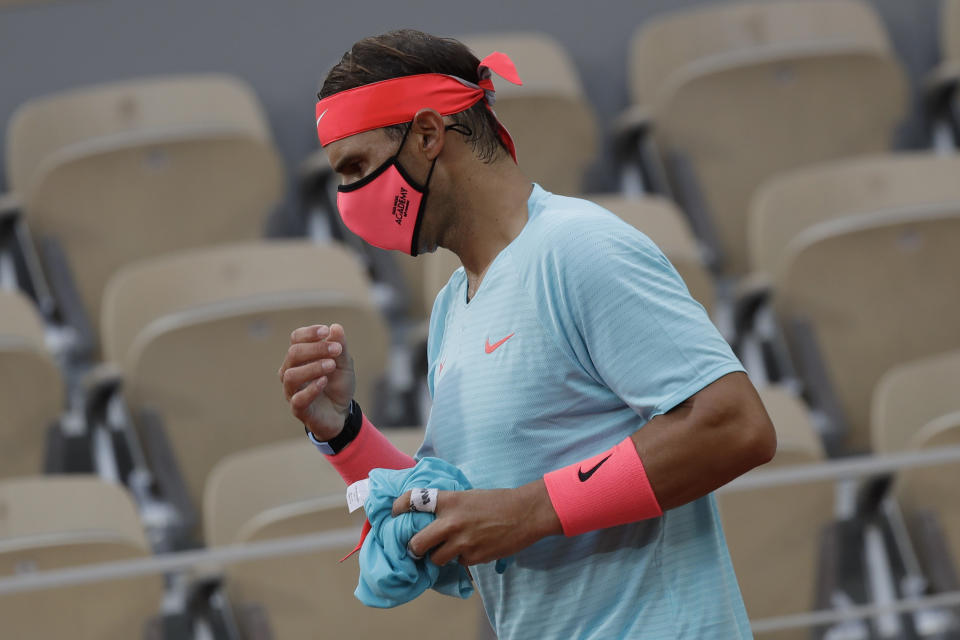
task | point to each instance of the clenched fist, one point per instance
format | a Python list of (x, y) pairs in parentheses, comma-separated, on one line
[(318, 379)]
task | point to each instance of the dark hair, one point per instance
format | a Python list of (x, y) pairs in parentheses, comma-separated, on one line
[(409, 52)]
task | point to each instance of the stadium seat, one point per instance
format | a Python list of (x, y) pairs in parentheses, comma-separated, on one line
[(734, 93), (861, 294), (550, 101), (934, 489), (119, 172), (909, 396), (31, 387), (303, 593), (791, 202), (57, 522), (774, 533), (199, 336)]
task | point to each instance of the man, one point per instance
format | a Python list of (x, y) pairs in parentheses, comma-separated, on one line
[(582, 391)]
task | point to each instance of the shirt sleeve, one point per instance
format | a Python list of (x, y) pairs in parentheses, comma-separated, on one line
[(623, 313)]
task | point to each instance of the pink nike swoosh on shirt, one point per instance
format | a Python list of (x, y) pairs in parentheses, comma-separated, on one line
[(490, 348)]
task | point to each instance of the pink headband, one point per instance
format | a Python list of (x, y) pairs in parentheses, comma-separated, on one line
[(395, 101)]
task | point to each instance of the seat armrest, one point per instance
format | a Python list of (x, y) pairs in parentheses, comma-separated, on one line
[(933, 552), (631, 124), (99, 384), (942, 81), (10, 206), (170, 484), (749, 295), (817, 382)]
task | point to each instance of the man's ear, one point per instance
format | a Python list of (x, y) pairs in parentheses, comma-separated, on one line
[(429, 131)]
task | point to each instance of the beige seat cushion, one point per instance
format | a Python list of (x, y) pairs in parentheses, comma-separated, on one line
[(51, 523), (32, 391)]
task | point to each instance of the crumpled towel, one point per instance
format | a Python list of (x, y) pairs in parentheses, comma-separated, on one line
[(389, 576)]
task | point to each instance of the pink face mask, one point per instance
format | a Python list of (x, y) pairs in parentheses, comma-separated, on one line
[(385, 208)]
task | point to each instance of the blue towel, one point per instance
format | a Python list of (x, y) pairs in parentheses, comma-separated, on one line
[(389, 576)]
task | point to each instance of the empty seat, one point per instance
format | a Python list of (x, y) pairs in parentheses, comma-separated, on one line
[(52, 522), (874, 290), (910, 395), (549, 117), (791, 202), (199, 336), (934, 488), (738, 92), (774, 533), (31, 387), (119, 172), (301, 594)]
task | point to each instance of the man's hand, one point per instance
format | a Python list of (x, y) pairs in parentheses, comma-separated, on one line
[(318, 379), (482, 525)]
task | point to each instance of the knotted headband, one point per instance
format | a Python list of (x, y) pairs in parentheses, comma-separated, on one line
[(395, 101)]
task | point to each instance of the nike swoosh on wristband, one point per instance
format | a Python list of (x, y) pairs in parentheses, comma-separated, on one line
[(586, 476), (490, 348)]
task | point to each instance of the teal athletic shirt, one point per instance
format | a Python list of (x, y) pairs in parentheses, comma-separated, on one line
[(580, 332)]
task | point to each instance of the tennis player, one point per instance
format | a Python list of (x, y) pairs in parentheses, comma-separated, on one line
[(576, 383)]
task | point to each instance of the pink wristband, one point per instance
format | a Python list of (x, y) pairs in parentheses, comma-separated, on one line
[(606, 490), (369, 450)]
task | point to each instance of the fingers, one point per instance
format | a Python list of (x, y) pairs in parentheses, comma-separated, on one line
[(401, 504), (313, 333), (444, 554), (338, 336), (294, 379), (300, 401), (432, 535), (303, 352)]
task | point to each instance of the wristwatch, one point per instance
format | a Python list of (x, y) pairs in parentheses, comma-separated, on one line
[(351, 427)]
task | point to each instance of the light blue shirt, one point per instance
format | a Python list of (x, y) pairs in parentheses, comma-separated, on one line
[(580, 332)]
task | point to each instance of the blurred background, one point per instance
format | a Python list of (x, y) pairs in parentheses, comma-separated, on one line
[(167, 219)]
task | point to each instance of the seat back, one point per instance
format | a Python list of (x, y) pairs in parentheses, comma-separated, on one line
[(934, 488), (787, 204), (200, 335), (665, 44), (797, 102), (774, 533), (146, 168), (49, 523), (663, 223), (32, 391), (306, 592), (877, 290), (910, 395), (44, 125), (549, 118)]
